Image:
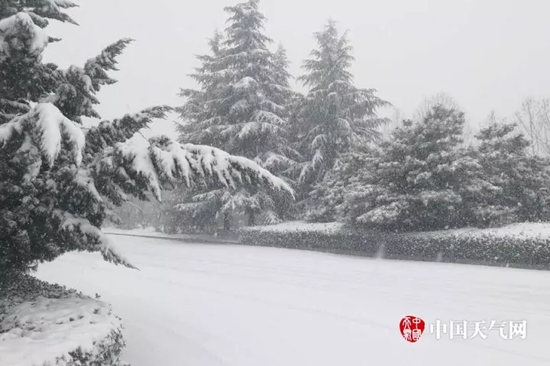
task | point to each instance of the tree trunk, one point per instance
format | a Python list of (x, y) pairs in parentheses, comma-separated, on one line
[(226, 221), (251, 218)]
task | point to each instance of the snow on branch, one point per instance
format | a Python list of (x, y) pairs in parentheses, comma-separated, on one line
[(18, 30), (46, 127), (72, 225), (75, 92), (97, 67), (52, 9), (218, 163), (138, 164), (107, 134)]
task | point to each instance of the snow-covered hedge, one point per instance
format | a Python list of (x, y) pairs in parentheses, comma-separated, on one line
[(47, 325), (303, 235), (521, 245)]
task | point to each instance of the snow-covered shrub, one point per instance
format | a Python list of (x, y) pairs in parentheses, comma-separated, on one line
[(48, 325), (333, 199), (313, 236), (520, 181), (522, 245), (420, 179)]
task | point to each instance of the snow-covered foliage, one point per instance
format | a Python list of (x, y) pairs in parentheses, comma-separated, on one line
[(334, 115), (299, 226), (40, 11), (58, 183), (76, 89), (242, 84), (329, 200), (521, 180), (521, 245), (23, 77), (241, 107), (422, 179), (44, 324)]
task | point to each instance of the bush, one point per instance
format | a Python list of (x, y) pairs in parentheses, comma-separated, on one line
[(44, 324), (509, 246)]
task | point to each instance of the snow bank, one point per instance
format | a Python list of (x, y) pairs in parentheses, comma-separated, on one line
[(44, 324)]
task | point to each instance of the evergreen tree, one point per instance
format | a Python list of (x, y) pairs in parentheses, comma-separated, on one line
[(281, 92), (334, 115), (197, 105), (240, 108), (520, 180), (329, 196), (57, 183), (422, 179)]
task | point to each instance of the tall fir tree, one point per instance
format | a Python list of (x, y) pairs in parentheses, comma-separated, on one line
[(334, 115), (243, 88), (58, 183)]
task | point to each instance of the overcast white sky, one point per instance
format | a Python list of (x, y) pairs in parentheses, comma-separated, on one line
[(487, 54)]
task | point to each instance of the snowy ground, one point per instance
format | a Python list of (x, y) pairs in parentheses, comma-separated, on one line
[(202, 305)]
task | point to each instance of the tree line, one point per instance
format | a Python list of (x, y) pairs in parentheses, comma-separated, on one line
[(245, 105), (328, 144)]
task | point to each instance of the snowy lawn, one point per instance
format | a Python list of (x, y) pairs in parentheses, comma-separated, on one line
[(202, 305)]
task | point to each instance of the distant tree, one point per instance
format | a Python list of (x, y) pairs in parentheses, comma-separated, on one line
[(240, 107), (521, 181), (439, 99), (334, 115), (421, 178), (329, 200), (534, 119)]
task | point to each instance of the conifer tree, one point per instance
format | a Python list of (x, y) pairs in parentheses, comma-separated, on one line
[(520, 180), (58, 183), (330, 197), (334, 115), (243, 88), (422, 179)]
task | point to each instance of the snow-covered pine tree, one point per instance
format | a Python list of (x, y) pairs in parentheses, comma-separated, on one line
[(330, 197), (280, 91), (335, 114), (422, 178), (239, 108), (521, 181), (196, 108), (58, 183)]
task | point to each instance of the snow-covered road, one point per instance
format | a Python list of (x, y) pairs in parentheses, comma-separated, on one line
[(203, 305)]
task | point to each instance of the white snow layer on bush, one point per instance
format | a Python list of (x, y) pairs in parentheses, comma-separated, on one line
[(517, 230), (301, 226), (64, 328), (525, 229)]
